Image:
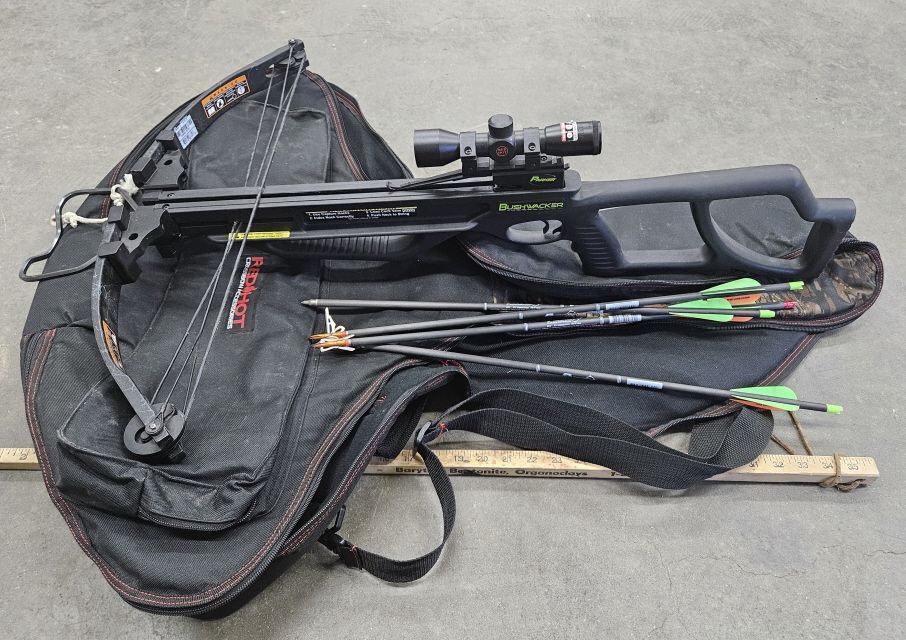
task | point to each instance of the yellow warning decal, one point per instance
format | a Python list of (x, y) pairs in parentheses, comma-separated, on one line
[(262, 235), (224, 95)]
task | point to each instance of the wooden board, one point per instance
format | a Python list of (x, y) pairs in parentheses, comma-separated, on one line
[(541, 464), (18, 458)]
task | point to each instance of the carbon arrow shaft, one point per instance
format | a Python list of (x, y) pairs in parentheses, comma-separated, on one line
[(344, 303), (637, 315), (595, 376), (462, 332), (530, 314)]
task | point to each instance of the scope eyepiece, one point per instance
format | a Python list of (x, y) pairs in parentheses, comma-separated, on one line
[(502, 143)]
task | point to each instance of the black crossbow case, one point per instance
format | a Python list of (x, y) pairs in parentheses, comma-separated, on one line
[(279, 434)]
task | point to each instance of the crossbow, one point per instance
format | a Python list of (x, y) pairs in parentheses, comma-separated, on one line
[(508, 178)]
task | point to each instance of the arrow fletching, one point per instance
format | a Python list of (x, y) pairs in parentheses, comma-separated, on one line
[(710, 303), (775, 399), (734, 285), (746, 291), (776, 402)]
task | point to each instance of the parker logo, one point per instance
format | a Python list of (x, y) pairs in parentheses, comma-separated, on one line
[(529, 206), (542, 179), (241, 316)]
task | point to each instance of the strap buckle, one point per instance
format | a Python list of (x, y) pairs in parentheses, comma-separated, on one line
[(420, 436), (343, 548), (348, 552), (338, 520)]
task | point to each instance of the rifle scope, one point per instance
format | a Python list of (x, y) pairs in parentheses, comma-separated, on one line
[(437, 147)]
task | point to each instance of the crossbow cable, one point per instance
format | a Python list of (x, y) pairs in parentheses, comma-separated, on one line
[(153, 434)]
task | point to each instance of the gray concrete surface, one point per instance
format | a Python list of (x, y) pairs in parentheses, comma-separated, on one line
[(680, 86)]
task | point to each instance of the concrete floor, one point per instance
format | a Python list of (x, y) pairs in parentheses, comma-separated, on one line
[(680, 87)]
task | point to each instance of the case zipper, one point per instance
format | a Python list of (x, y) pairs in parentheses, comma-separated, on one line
[(331, 99), (352, 104)]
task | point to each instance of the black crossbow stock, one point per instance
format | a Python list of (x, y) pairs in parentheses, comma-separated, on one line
[(507, 178)]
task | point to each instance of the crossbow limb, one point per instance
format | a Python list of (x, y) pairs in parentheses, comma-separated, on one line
[(155, 430)]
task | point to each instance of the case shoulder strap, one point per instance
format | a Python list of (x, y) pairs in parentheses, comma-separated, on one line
[(717, 444)]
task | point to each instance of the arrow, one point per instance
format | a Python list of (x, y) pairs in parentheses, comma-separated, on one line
[(746, 290), (713, 310), (742, 292), (419, 305), (775, 398)]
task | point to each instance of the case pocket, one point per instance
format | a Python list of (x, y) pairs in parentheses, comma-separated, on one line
[(222, 156), (239, 419)]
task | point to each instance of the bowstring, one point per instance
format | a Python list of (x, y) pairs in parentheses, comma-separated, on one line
[(191, 378), (263, 171), (208, 297), (248, 171), (271, 145), (280, 108)]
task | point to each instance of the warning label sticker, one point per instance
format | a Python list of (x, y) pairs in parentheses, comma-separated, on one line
[(369, 213), (186, 131), (225, 95), (262, 235)]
